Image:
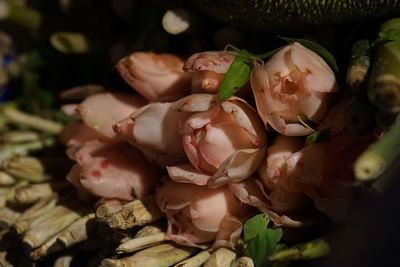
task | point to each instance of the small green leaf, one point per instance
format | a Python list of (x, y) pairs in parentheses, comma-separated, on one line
[(317, 48), (236, 77), (318, 137), (259, 240)]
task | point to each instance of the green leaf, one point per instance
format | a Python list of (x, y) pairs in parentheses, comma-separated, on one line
[(318, 137), (236, 77), (317, 48), (259, 240)]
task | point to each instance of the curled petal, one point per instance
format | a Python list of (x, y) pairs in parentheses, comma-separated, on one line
[(155, 76), (186, 173), (240, 165), (101, 111), (196, 103), (228, 236)]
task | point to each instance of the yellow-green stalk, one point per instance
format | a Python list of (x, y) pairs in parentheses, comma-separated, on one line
[(221, 257), (196, 261), (358, 65), (373, 162), (139, 243), (311, 250), (21, 15)]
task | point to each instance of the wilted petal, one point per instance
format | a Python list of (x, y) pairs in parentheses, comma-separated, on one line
[(155, 76), (101, 111)]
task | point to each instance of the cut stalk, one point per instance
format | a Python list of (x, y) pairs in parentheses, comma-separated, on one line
[(243, 262), (314, 249), (32, 193), (196, 261), (221, 257), (136, 213), (107, 208), (140, 243), (70, 42), (64, 261), (20, 136), (21, 118), (379, 155), (6, 179), (163, 255), (10, 150), (21, 15), (40, 208), (384, 85), (358, 65), (25, 167), (39, 233), (74, 233), (148, 230), (8, 216)]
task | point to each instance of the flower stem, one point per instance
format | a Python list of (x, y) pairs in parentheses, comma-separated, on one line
[(379, 155), (358, 65), (311, 250), (21, 15)]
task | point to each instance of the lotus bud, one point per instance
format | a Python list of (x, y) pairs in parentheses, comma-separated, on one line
[(208, 70), (155, 76), (192, 222), (294, 86)]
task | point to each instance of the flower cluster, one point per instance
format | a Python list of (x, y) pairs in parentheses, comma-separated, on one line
[(219, 166)]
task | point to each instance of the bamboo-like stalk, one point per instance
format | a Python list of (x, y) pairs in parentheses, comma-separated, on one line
[(243, 262), (384, 83), (311, 250), (19, 136), (32, 193), (358, 65), (136, 213), (41, 207), (221, 257), (74, 233), (70, 42), (8, 216), (371, 163), (107, 208), (25, 167), (10, 150), (6, 179), (21, 118), (63, 261), (22, 15), (196, 261), (148, 230), (139, 243), (39, 233), (163, 255)]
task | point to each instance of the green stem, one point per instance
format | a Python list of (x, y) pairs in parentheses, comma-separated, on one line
[(384, 85), (21, 15), (70, 42), (311, 250), (358, 65), (379, 155)]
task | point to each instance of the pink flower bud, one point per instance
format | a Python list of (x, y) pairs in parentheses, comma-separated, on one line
[(295, 84), (114, 171), (155, 76), (208, 70), (192, 222)]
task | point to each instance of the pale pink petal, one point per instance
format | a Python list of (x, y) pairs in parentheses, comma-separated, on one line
[(228, 236), (101, 111), (216, 61), (155, 76), (196, 103), (319, 77), (186, 173)]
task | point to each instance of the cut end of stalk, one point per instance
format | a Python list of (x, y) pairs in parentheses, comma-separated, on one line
[(368, 166), (69, 43), (4, 10), (176, 21)]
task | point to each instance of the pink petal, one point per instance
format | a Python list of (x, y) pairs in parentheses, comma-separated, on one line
[(216, 61), (186, 173)]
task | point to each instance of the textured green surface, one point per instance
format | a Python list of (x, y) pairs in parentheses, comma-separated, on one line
[(292, 15)]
